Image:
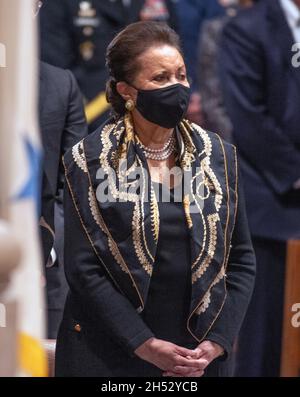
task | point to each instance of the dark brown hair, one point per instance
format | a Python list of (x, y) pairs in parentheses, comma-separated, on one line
[(126, 47)]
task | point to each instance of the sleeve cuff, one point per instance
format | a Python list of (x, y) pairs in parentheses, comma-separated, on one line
[(138, 340), (223, 343)]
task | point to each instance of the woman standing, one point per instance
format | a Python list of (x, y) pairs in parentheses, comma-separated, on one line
[(157, 286)]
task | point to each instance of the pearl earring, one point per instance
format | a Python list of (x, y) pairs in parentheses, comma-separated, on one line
[(129, 105)]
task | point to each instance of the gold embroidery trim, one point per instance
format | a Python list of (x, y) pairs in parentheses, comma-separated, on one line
[(212, 221), (211, 182), (78, 156), (136, 236), (104, 162), (142, 208), (138, 230), (196, 261), (188, 146), (114, 245), (154, 215), (186, 204), (221, 274), (86, 231), (236, 199), (206, 300), (100, 222)]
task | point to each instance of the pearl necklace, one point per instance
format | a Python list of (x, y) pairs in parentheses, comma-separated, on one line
[(160, 154)]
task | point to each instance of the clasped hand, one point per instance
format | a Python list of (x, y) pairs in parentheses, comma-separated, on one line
[(178, 361)]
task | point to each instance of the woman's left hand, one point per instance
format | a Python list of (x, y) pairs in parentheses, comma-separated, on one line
[(207, 352)]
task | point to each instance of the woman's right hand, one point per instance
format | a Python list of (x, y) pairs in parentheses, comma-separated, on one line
[(167, 356)]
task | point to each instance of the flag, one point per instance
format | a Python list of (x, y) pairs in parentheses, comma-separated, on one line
[(20, 164)]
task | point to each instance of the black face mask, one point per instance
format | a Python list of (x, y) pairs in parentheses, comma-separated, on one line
[(164, 106)]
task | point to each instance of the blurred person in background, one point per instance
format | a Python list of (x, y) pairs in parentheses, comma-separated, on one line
[(75, 35), (261, 85), (62, 124), (191, 15), (215, 117)]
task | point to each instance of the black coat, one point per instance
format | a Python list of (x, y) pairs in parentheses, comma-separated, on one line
[(262, 96), (62, 124), (101, 327), (73, 41)]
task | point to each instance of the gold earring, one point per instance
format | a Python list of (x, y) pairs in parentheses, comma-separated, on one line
[(129, 105)]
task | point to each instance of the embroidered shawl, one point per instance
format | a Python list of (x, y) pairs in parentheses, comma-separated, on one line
[(124, 230)]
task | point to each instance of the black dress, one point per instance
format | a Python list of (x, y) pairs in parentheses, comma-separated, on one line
[(169, 296)]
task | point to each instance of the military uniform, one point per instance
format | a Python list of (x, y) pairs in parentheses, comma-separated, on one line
[(75, 35)]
